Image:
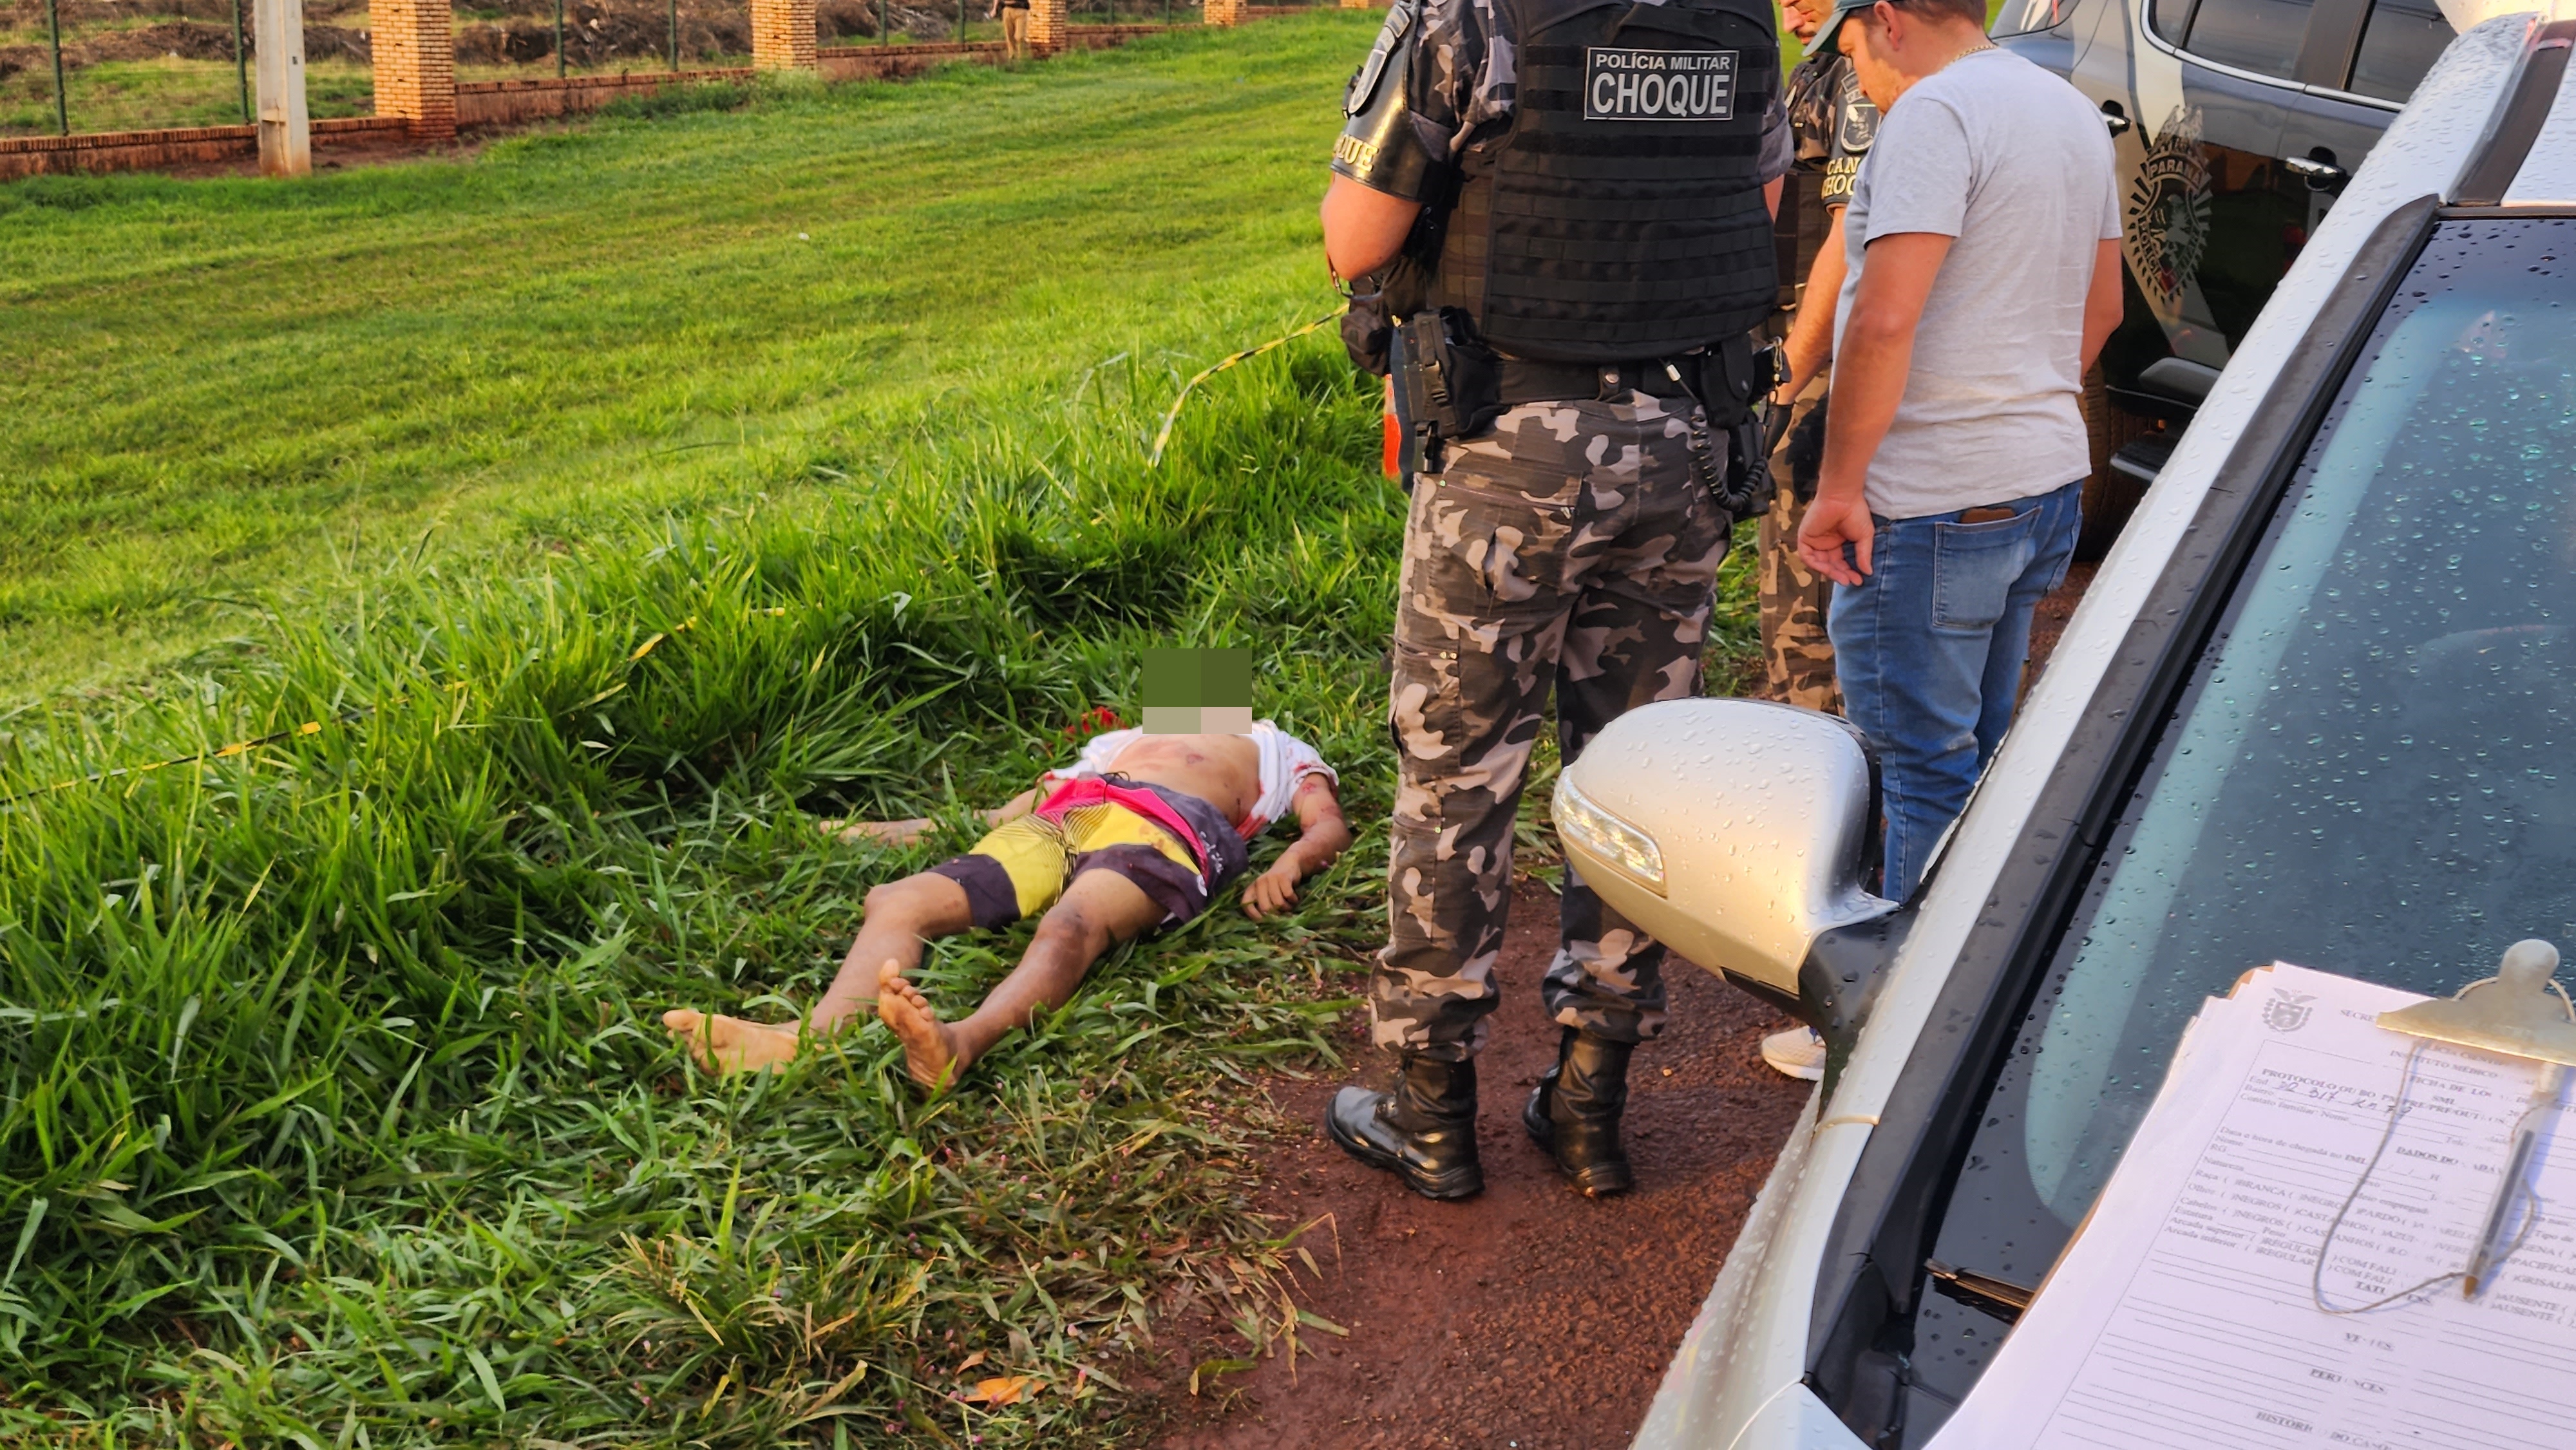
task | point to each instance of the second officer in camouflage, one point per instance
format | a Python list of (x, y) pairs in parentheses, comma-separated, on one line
[(1832, 122), (1564, 205)]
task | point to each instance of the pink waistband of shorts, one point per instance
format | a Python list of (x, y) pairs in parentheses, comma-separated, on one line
[(1091, 790)]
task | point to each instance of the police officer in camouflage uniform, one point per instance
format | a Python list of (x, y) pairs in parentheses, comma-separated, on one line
[(1564, 207), (1832, 123)]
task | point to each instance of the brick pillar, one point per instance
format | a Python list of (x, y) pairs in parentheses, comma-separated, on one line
[(414, 43), (1359, 4), (1224, 12), (782, 34), (1046, 26)]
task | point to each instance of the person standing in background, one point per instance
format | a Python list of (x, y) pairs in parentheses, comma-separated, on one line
[(1982, 240), (1832, 122), (1014, 15)]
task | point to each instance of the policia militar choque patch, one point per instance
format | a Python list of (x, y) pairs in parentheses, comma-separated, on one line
[(1624, 84)]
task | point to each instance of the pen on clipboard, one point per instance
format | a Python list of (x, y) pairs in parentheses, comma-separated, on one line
[(2522, 1012), (2491, 1246)]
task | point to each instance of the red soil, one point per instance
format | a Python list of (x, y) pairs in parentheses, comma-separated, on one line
[(1528, 1317)]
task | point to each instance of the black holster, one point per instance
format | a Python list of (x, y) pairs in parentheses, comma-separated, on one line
[(1737, 381), (1447, 385)]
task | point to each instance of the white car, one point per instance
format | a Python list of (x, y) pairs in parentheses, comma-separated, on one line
[(2319, 705)]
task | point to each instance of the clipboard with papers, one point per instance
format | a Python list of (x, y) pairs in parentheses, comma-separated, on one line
[(2278, 1258)]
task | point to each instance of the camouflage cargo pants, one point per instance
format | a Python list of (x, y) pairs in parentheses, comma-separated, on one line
[(1796, 655), (1572, 548)]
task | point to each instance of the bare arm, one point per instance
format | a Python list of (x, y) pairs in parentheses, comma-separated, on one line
[(1323, 835), (1869, 381), (904, 833), (2103, 304), (1016, 807), (1811, 337), (1363, 229)]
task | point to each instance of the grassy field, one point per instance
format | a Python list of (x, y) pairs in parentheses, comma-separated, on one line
[(616, 503), (208, 379)]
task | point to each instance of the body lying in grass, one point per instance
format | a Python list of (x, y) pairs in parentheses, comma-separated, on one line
[(1139, 834)]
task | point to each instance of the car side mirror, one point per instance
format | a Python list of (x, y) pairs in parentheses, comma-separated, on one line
[(1735, 832)]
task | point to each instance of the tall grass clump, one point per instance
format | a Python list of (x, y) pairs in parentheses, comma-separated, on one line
[(333, 1104)]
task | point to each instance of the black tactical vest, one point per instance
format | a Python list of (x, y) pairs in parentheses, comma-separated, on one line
[(1620, 215)]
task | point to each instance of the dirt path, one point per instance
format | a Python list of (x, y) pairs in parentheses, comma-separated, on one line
[(1528, 1317)]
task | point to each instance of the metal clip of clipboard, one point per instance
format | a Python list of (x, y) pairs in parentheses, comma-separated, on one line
[(2518, 1012)]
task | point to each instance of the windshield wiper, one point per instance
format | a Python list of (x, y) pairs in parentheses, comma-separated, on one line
[(1999, 1297)]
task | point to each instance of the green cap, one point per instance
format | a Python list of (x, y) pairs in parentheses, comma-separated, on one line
[(1843, 9)]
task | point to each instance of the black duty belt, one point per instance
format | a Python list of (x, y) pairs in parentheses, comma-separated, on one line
[(1525, 380)]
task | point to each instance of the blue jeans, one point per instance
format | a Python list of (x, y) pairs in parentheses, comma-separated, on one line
[(1929, 650)]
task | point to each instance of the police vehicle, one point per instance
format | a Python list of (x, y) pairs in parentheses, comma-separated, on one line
[(2236, 123), (2314, 708)]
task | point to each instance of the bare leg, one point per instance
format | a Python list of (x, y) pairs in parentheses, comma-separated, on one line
[(902, 915), (1100, 908), (902, 918)]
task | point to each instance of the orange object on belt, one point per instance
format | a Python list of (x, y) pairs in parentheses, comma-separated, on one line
[(1394, 447)]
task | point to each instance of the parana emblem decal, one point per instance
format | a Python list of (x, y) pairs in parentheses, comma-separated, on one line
[(2288, 1011), (1620, 84), (2166, 227)]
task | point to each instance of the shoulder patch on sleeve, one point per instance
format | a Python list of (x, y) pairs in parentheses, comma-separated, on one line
[(1399, 24), (1856, 119)]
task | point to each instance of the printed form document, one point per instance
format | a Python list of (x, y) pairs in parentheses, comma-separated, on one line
[(2182, 1316)]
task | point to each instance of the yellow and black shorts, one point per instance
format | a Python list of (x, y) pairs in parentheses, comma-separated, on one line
[(1024, 865)]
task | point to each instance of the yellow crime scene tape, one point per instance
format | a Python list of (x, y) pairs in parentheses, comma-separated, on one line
[(1163, 435)]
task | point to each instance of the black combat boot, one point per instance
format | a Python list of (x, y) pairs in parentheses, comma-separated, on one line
[(1574, 1113), (1423, 1132)]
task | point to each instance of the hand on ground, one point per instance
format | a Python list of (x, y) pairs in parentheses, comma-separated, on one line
[(1832, 523), (731, 1045), (1272, 890), (884, 833), (930, 1050)]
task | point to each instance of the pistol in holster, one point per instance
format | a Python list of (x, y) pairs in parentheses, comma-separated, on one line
[(1448, 385)]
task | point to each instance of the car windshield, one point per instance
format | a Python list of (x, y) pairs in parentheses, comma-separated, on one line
[(2371, 769)]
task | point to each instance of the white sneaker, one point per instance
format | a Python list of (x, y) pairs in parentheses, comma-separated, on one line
[(1797, 1053)]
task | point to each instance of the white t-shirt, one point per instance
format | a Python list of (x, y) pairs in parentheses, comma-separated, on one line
[(1286, 761), (2017, 165)]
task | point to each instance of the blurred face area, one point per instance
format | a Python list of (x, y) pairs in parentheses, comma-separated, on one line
[(1874, 40), (1804, 16)]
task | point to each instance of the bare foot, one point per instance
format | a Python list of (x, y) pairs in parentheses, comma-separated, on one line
[(731, 1045), (887, 833), (929, 1045)]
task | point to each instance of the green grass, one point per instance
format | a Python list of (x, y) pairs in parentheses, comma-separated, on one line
[(332, 1106), (216, 385)]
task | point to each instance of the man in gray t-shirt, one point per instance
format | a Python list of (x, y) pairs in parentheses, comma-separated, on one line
[(1983, 245)]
